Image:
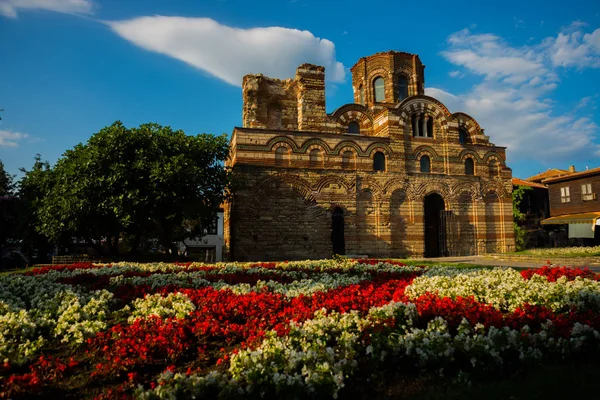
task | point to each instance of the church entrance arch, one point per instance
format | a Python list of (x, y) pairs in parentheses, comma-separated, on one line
[(434, 229), (337, 231)]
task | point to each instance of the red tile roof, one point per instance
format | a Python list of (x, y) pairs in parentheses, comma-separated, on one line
[(523, 182), (573, 175), (548, 174)]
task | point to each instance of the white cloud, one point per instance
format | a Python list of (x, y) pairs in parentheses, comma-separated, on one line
[(11, 139), (575, 49), (513, 100), (229, 53), (9, 8), (456, 74)]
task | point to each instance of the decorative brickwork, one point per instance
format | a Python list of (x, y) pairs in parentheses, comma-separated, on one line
[(300, 164)]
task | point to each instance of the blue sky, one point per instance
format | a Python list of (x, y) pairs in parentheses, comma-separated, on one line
[(528, 71)]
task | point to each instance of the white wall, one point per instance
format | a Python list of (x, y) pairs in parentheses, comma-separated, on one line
[(215, 241)]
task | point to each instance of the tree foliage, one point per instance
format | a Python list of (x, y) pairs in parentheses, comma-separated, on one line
[(6, 181), (8, 206), (32, 189), (134, 183), (518, 194)]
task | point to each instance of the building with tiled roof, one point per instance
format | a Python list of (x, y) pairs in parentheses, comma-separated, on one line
[(523, 182), (550, 173), (575, 201)]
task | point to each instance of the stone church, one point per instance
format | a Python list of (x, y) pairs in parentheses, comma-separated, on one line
[(392, 174)]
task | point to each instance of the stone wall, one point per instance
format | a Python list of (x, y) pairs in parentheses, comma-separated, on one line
[(302, 164), (288, 215)]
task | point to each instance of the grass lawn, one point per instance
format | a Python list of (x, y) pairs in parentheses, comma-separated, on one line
[(562, 252)]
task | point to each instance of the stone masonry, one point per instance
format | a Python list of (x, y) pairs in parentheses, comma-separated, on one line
[(407, 176)]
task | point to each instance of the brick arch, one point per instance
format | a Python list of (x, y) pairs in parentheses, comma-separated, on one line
[(334, 205), (465, 187), (329, 179), (466, 119), (395, 184), (287, 159), (422, 104), (430, 151), (373, 147), (314, 142), (342, 111), (405, 104), (471, 125), (468, 152), (294, 182), (493, 154), (273, 143), (365, 121), (282, 143), (346, 144), (372, 186), (496, 188), (420, 190)]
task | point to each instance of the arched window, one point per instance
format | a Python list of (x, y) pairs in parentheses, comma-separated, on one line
[(402, 88), (379, 90), (315, 159), (422, 125), (425, 164), (469, 166), (280, 156), (379, 161), (348, 160), (415, 125), (361, 95), (463, 135), (354, 127)]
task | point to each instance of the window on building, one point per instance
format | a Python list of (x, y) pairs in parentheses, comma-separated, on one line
[(348, 160), (422, 125), (425, 163), (354, 127), (463, 134), (469, 166), (565, 196), (315, 158), (586, 192), (280, 155), (361, 95), (402, 87), (429, 123), (210, 228), (379, 89), (379, 161)]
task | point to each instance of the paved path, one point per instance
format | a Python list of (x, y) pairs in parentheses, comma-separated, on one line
[(512, 262)]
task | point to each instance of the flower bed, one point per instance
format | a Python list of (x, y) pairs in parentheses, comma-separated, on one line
[(296, 329)]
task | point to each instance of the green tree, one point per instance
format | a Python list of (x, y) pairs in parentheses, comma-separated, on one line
[(8, 203), (135, 183), (32, 190), (518, 217), (6, 181)]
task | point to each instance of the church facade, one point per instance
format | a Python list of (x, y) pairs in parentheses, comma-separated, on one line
[(392, 174)]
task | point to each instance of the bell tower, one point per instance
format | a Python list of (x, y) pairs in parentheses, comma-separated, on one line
[(385, 79)]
